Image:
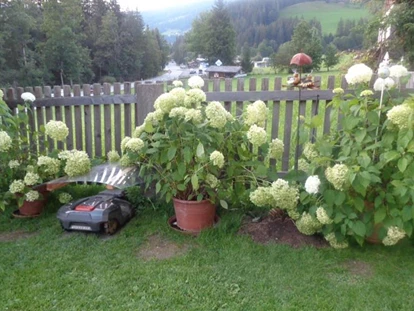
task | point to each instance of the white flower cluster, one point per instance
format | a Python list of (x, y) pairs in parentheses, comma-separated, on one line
[(217, 158), (310, 152), (32, 196), (312, 184), (28, 97), (178, 94), (193, 115), (5, 141), (276, 148), (113, 156), (217, 115), (398, 71), (212, 181), (256, 113), (126, 161), (359, 73), (338, 90), (165, 102), (1, 94), (136, 133), (65, 197), (51, 165), (331, 238), (383, 84), (124, 142), (257, 135), (303, 165), (323, 216), (77, 163), (177, 83), (194, 98), (17, 186), (337, 176), (56, 130), (394, 234), (178, 112), (196, 82), (366, 93), (401, 116), (307, 224), (261, 197), (31, 179), (134, 144), (14, 164)]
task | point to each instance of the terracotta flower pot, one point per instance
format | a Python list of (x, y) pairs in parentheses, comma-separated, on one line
[(36, 207), (194, 216), (373, 238)]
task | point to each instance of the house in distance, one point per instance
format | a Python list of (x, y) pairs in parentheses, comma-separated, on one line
[(223, 71)]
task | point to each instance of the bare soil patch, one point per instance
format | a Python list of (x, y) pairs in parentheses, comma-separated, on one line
[(276, 230), (15, 235), (160, 248)]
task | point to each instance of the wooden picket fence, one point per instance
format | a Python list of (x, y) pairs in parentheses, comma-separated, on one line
[(98, 120)]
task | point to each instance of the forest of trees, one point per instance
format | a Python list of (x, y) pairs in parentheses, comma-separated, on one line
[(75, 41)]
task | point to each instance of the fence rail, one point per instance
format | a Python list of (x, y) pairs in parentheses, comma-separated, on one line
[(98, 120)]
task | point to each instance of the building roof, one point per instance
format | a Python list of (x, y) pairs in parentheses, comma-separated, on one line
[(227, 69)]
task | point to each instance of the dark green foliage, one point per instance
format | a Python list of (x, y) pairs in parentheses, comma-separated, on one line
[(331, 57), (246, 63)]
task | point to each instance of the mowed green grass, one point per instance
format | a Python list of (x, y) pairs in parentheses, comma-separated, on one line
[(329, 14), (218, 270)]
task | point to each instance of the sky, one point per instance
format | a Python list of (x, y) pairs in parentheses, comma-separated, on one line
[(150, 5)]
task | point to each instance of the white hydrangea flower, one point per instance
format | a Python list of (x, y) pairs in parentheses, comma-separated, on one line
[(307, 224), (194, 98), (113, 156), (256, 113), (177, 83), (217, 158), (178, 112), (5, 141), (338, 90), (194, 115), (337, 176), (126, 161), (323, 217), (56, 130), (32, 196), (303, 165), (134, 144), (401, 116), (196, 82), (334, 242), (78, 163), (216, 114), (179, 94), (1, 94), (257, 135), (310, 152), (31, 179), (359, 73), (124, 142), (366, 93), (51, 165), (165, 102), (138, 131), (65, 197), (284, 196), (398, 71), (14, 164), (385, 84), (28, 97), (212, 181), (276, 148), (17, 186), (394, 234), (262, 197), (312, 184)]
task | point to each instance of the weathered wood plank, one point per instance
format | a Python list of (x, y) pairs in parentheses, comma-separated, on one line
[(127, 111), (69, 124), (145, 97), (87, 112), (239, 103), (328, 109), (107, 128), (287, 135), (97, 130), (228, 85), (268, 95)]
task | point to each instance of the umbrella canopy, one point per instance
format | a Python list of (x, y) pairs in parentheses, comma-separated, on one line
[(301, 59)]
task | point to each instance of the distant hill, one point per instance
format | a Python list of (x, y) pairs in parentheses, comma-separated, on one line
[(328, 14), (173, 22)]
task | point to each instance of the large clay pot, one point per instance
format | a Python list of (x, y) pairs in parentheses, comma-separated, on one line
[(373, 238), (194, 216), (34, 208)]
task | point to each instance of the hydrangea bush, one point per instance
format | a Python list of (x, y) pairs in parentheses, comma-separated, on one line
[(359, 180), (23, 168), (194, 150)]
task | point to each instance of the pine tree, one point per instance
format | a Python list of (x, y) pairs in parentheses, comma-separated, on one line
[(331, 57), (246, 63)]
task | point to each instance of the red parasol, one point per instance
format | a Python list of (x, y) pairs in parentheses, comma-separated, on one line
[(301, 59)]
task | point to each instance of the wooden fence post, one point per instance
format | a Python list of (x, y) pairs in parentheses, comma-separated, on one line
[(146, 96)]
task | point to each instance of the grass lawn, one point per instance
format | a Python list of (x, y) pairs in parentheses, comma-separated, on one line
[(328, 14), (48, 269)]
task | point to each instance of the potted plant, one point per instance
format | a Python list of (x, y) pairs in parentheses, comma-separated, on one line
[(25, 168), (194, 152)]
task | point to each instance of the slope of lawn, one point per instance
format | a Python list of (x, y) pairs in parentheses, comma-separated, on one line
[(49, 269), (328, 14)]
